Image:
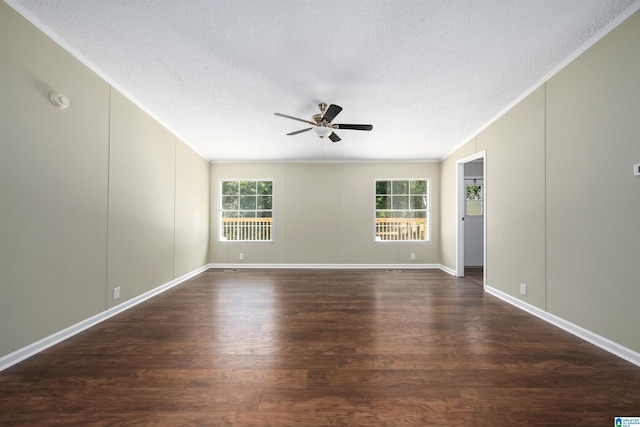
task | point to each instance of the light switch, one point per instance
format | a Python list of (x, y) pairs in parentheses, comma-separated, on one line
[(636, 169)]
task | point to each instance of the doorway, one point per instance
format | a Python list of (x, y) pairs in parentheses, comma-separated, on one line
[(471, 211)]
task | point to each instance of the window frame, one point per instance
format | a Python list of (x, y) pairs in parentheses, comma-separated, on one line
[(427, 209), (475, 183), (221, 238)]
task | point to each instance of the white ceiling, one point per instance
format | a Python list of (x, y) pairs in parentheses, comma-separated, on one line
[(428, 74)]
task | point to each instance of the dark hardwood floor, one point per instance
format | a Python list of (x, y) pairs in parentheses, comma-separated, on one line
[(475, 274), (321, 347)]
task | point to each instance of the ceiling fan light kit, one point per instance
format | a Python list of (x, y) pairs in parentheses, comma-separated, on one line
[(322, 126), (322, 131)]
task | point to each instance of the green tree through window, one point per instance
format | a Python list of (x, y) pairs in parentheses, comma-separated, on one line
[(474, 199), (246, 210), (402, 209)]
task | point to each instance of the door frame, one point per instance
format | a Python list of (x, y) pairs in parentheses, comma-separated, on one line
[(461, 194)]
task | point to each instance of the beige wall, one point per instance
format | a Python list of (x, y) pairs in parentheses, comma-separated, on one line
[(191, 249), (324, 214), (141, 201), (84, 190), (562, 202), (448, 214), (158, 204), (53, 187), (515, 200), (593, 199)]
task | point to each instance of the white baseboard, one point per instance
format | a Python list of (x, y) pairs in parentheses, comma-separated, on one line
[(595, 339), (448, 270), (53, 339), (328, 266)]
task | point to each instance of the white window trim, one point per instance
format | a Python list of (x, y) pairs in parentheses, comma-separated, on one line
[(473, 180), (219, 214), (428, 211)]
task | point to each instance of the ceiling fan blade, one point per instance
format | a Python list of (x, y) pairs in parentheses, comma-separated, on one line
[(295, 118), (331, 112), (299, 131), (334, 137), (354, 127)]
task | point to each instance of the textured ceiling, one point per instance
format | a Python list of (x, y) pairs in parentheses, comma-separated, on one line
[(428, 74)]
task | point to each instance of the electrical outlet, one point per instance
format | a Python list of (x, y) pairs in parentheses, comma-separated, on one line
[(116, 293), (413, 256), (523, 289), (636, 169), (241, 256)]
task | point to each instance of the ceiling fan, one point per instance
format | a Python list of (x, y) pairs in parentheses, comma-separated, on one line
[(322, 125)]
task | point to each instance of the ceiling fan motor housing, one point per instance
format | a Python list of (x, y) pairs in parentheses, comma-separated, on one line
[(322, 122)]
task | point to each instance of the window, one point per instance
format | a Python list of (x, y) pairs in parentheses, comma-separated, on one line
[(246, 210), (474, 199), (402, 210)]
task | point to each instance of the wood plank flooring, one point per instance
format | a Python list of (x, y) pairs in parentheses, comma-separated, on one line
[(475, 274), (321, 347)]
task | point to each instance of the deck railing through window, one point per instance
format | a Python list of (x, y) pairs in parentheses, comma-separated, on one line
[(386, 228), (246, 228), (401, 229)]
